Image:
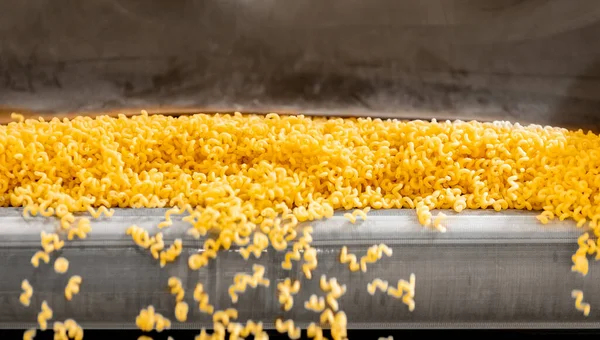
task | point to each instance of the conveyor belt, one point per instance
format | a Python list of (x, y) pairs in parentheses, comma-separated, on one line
[(489, 270)]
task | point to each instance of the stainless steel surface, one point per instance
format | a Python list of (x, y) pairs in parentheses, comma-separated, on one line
[(489, 270), (532, 61)]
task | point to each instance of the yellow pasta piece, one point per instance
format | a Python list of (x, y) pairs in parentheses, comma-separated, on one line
[(288, 327), (72, 287), (39, 255), (61, 265), (81, 231), (579, 304), (405, 291), (285, 290), (224, 316), (17, 117), (74, 330), (374, 253), (148, 319), (377, 284), (350, 259), (315, 332), (172, 253), (201, 297), (44, 315), (176, 288), (29, 334), (181, 311), (437, 222), (100, 211), (315, 304), (25, 297)]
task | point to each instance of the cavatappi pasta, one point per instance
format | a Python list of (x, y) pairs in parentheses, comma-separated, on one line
[(44, 315), (405, 291), (356, 213), (25, 297), (72, 287), (579, 304), (250, 180), (61, 265), (29, 334), (285, 290)]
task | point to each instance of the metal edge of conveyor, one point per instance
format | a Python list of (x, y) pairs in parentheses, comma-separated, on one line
[(489, 270)]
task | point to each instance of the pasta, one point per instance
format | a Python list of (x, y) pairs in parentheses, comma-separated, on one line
[(579, 304), (437, 223), (39, 255), (315, 304), (288, 327), (251, 180), (181, 311), (334, 291), (405, 291), (83, 228), (67, 330), (315, 332), (357, 212), (350, 259), (72, 287), (44, 315), (202, 298), (241, 281), (29, 334), (224, 316), (286, 289), (374, 253), (148, 319), (176, 288), (25, 297), (377, 284), (51, 242), (61, 265)]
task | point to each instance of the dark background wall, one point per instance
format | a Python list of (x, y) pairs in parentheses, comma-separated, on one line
[(520, 60)]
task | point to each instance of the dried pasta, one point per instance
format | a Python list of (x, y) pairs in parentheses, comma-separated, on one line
[(148, 319), (315, 304), (286, 290), (72, 287), (181, 311), (29, 334), (25, 297), (288, 327), (241, 281), (252, 179), (374, 253), (350, 259), (44, 316), (61, 265), (362, 213), (377, 284), (579, 304), (39, 255), (405, 291), (176, 288), (202, 298)]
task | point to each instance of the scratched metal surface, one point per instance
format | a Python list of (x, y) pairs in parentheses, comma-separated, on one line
[(532, 61), (489, 270)]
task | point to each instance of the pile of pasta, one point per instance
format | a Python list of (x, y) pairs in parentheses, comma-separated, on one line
[(254, 180)]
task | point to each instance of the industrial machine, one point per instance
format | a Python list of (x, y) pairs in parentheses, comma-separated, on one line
[(527, 61)]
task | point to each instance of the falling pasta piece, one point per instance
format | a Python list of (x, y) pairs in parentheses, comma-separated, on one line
[(579, 304), (181, 311), (29, 334), (25, 297), (437, 222), (72, 287), (61, 265)]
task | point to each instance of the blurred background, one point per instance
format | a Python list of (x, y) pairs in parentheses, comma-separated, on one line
[(532, 61)]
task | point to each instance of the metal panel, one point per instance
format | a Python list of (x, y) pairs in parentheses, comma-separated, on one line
[(489, 270), (527, 61)]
